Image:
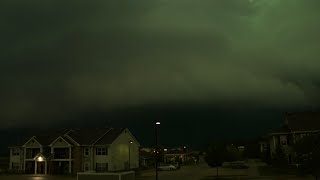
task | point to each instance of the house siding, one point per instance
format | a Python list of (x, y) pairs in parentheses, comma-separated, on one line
[(77, 159), (119, 153), (87, 159), (63, 143), (16, 158), (72, 159)]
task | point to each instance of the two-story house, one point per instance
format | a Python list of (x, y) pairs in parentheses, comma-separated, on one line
[(76, 150), (295, 126)]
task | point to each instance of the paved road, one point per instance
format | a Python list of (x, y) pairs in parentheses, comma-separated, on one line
[(196, 172), (204, 172)]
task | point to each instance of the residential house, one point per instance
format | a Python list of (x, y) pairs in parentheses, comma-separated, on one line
[(181, 156), (295, 127), (76, 150), (147, 157)]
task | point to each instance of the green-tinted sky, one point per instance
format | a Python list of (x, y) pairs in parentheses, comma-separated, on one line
[(60, 59)]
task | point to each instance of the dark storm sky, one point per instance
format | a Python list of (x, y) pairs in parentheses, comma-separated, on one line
[(204, 67)]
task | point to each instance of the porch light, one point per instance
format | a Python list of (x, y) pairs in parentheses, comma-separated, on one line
[(40, 159)]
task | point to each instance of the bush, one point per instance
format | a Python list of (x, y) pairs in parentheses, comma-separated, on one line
[(279, 158)]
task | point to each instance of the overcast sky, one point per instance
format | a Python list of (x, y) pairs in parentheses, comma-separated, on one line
[(60, 59)]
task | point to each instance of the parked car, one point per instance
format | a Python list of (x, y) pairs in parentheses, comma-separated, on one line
[(177, 165), (239, 165), (167, 167)]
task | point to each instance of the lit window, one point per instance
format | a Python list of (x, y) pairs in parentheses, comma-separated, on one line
[(86, 166), (101, 151), (86, 151)]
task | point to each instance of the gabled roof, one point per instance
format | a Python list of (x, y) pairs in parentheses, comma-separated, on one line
[(110, 136), (85, 136), (45, 156), (175, 151), (46, 137), (303, 121), (282, 129), (69, 142), (299, 122)]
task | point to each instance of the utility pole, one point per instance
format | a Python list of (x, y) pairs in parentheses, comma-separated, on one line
[(157, 124)]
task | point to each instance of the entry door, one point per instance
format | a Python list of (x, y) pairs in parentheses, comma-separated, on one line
[(40, 167)]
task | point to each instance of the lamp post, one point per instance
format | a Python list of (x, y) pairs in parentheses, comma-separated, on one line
[(130, 142), (157, 124)]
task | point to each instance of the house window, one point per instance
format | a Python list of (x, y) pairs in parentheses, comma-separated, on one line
[(15, 152), (101, 167), (15, 166), (86, 151), (101, 151), (86, 166)]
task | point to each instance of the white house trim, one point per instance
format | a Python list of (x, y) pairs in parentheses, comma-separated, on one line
[(75, 142), (58, 139), (134, 139), (32, 138)]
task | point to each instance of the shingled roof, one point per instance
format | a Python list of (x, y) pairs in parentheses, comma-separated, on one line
[(303, 121), (283, 129), (44, 137), (110, 136), (85, 136)]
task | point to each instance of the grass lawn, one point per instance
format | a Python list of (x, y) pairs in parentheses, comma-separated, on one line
[(275, 171)]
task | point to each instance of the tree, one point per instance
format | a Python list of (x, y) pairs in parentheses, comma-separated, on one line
[(279, 158), (308, 154)]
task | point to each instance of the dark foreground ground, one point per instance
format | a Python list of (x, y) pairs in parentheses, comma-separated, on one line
[(200, 171)]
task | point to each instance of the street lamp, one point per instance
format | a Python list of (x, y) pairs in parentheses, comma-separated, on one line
[(157, 124), (130, 142)]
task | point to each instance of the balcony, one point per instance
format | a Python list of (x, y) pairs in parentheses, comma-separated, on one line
[(32, 152), (61, 153)]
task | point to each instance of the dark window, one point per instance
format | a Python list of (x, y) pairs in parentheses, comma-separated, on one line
[(32, 152), (101, 167), (86, 166), (86, 151), (101, 151), (61, 153)]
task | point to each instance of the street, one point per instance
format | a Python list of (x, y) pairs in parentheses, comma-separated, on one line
[(195, 172)]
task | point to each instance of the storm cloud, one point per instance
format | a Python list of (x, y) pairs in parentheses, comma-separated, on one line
[(61, 57)]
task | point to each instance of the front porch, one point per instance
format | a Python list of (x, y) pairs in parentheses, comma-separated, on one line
[(44, 164)]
